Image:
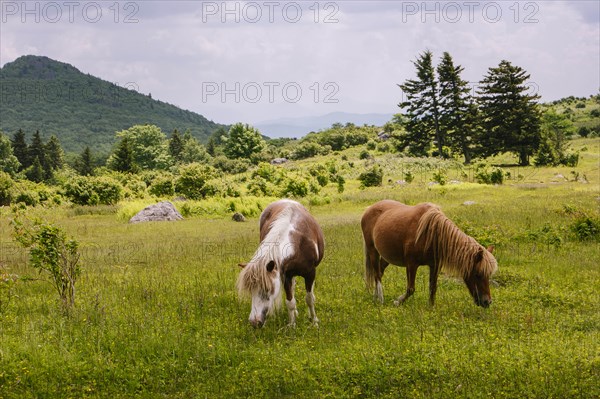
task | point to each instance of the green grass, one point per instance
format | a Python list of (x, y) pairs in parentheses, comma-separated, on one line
[(157, 313)]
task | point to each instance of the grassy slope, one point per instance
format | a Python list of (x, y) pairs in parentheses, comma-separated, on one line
[(158, 315)]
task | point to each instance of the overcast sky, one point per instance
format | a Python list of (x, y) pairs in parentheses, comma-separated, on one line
[(263, 60)]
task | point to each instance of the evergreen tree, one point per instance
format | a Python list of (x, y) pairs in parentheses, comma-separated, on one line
[(37, 150), (511, 116), (84, 164), (122, 159), (422, 108), (35, 172), (54, 153), (458, 111), (20, 149), (175, 145), (8, 162)]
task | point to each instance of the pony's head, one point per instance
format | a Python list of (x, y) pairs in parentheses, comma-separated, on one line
[(478, 278), (262, 282)]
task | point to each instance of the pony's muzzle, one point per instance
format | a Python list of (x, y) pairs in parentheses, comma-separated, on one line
[(484, 302), (257, 323)]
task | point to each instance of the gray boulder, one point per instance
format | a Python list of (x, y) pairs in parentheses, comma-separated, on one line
[(162, 211), (238, 217)]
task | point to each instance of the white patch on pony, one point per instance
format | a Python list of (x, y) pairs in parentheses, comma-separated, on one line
[(317, 250), (292, 311), (379, 292), (262, 307)]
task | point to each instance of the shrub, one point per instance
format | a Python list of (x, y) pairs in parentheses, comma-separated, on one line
[(364, 154), (372, 177), (192, 180), (162, 186), (267, 172), (485, 175), (51, 251), (586, 228), (296, 188), (6, 189), (87, 190), (231, 166), (440, 177), (409, 177), (371, 145)]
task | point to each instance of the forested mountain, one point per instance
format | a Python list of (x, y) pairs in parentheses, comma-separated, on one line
[(38, 93)]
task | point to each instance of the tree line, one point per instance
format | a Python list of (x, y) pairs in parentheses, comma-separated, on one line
[(444, 116)]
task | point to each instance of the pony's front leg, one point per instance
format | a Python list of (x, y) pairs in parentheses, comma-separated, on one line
[(433, 279), (411, 273), (290, 301)]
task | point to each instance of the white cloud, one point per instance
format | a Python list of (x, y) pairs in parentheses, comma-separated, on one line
[(176, 47)]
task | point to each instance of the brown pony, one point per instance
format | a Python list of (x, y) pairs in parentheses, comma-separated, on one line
[(417, 235), (291, 244)]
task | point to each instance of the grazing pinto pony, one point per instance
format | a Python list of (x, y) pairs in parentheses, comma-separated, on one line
[(417, 235), (291, 244)]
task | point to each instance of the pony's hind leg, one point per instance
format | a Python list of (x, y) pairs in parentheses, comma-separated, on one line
[(290, 302), (378, 286), (411, 273), (310, 299)]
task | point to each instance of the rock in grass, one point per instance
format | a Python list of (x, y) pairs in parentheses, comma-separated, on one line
[(163, 211), (238, 217)]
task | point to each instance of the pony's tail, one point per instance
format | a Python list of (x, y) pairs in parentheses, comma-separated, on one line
[(370, 272)]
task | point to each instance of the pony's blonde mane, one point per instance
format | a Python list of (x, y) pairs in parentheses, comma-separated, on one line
[(453, 251), (254, 276)]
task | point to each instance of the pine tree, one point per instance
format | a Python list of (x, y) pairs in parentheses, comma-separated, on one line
[(54, 153), (35, 172), (84, 164), (423, 109), (37, 150), (175, 145), (20, 149), (511, 116), (122, 159), (458, 111)]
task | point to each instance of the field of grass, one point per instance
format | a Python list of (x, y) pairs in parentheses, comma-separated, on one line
[(157, 314)]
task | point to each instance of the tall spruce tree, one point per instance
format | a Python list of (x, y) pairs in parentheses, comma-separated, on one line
[(84, 164), (511, 117), (176, 145), (422, 108), (37, 150), (35, 172), (54, 153), (20, 149), (458, 111), (122, 159)]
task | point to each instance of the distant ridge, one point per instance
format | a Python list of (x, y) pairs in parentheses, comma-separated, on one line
[(38, 93), (298, 127)]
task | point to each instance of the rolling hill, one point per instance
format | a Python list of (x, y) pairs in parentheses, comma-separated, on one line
[(38, 93)]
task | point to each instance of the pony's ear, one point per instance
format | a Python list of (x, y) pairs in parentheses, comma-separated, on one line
[(490, 249), (479, 256), (242, 265), (270, 266)]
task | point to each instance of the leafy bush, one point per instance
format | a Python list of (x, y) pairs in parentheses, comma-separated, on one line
[(192, 179), (486, 175), (231, 166), (89, 190), (267, 172), (364, 154), (162, 186), (6, 189), (51, 251), (440, 177), (586, 228), (295, 188), (372, 177), (409, 177), (309, 150)]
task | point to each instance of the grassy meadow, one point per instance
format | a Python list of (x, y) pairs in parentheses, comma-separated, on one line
[(157, 314)]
